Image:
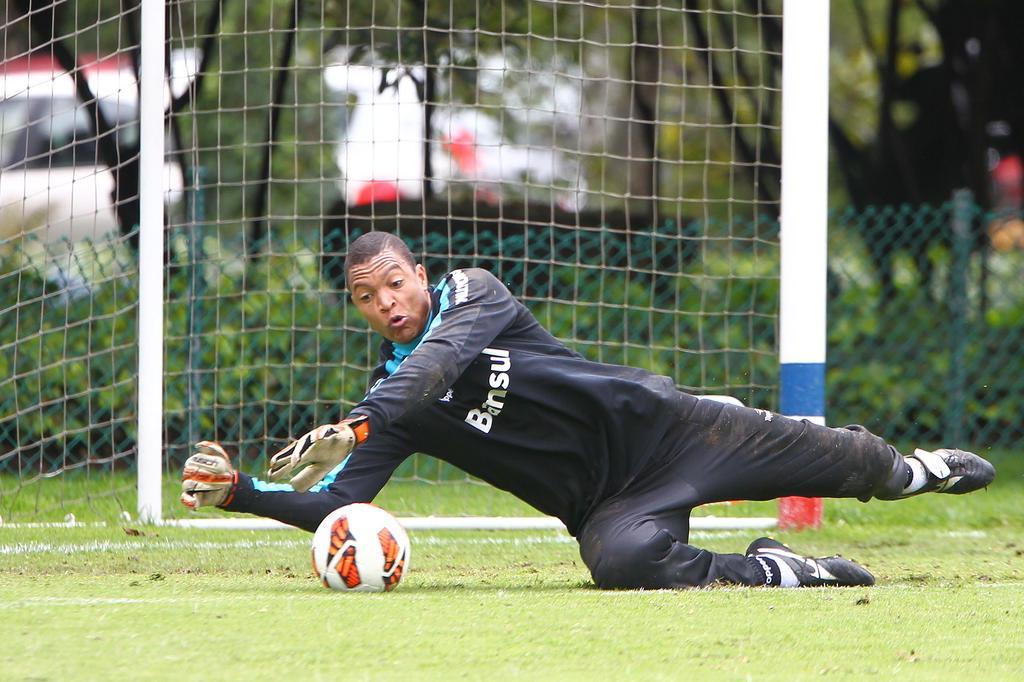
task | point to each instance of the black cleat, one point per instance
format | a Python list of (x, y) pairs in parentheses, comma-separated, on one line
[(953, 471), (785, 568)]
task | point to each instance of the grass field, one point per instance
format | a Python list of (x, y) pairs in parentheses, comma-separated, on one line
[(134, 602)]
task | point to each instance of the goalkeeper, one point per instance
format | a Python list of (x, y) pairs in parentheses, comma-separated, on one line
[(618, 454)]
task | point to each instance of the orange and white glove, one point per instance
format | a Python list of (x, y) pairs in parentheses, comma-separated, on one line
[(208, 477), (309, 458)]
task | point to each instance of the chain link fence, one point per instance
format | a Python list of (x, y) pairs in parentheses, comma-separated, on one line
[(926, 324)]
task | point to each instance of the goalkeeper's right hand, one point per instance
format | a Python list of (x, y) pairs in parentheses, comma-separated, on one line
[(208, 477)]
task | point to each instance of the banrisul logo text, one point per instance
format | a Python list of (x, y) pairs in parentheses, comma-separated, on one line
[(498, 381), (461, 280)]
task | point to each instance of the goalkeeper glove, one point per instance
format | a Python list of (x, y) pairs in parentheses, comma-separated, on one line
[(310, 458), (208, 477)]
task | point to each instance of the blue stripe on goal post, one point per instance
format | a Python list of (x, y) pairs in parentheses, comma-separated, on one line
[(802, 390), (802, 396)]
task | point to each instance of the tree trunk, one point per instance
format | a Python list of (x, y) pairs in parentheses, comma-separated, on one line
[(642, 139)]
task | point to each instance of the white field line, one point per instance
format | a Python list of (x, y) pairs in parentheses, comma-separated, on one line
[(35, 602), (28, 548), (25, 548), (426, 523), (21, 548)]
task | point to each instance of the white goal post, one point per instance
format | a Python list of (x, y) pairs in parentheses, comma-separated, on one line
[(804, 226), (151, 256)]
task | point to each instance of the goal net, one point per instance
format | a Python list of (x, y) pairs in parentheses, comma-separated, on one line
[(616, 164)]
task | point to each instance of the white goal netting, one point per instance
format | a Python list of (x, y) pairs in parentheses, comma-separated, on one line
[(616, 163)]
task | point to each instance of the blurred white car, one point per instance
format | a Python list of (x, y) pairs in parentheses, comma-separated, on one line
[(380, 143), (54, 185)]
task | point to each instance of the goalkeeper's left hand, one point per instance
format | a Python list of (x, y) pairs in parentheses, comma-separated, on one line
[(308, 459)]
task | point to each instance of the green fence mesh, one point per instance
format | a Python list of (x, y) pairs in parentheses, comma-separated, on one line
[(68, 365), (926, 326)]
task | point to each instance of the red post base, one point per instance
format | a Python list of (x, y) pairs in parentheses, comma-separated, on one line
[(797, 513)]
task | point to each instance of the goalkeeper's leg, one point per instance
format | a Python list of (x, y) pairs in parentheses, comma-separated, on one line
[(725, 452), (625, 548), (734, 453)]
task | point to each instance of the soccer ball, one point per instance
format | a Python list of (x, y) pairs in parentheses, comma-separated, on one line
[(360, 548)]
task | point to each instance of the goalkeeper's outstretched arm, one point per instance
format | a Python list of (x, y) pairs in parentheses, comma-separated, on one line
[(359, 478)]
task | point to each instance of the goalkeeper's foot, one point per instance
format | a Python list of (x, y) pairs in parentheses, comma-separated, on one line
[(208, 477), (785, 568), (947, 470)]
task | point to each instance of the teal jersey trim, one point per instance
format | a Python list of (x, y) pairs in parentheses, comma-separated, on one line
[(403, 350), (265, 487), (331, 476)]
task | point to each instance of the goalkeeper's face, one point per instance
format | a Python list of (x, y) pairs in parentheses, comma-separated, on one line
[(392, 295)]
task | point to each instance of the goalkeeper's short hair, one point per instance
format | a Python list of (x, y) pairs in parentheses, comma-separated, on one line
[(372, 243)]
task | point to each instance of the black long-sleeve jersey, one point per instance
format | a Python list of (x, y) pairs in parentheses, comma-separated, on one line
[(489, 390)]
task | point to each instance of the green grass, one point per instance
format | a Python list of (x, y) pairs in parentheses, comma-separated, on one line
[(100, 602)]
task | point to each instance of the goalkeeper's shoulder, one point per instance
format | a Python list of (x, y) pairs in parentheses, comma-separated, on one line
[(472, 284)]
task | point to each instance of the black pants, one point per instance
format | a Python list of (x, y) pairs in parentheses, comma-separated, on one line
[(638, 538)]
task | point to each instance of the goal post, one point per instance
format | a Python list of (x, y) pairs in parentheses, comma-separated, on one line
[(151, 255), (622, 166), (804, 228)]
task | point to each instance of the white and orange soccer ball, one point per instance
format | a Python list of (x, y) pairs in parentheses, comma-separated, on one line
[(360, 548)]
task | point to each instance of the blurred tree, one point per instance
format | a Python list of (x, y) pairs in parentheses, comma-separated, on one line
[(925, 95)]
